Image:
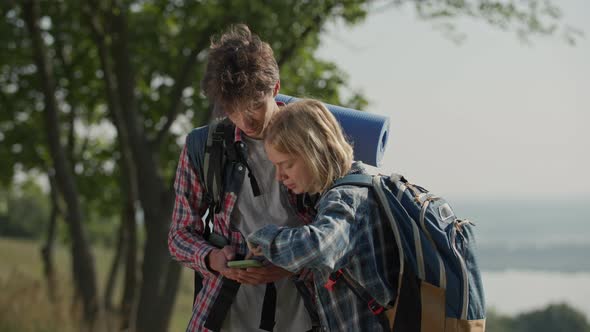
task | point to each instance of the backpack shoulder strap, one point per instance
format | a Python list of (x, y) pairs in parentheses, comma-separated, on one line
[(214, 160), (196, 141), (361, 180)]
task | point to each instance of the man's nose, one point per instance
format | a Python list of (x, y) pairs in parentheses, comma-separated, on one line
[(240, 121)]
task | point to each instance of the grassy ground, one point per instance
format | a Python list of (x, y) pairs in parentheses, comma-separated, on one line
[(24, 305)]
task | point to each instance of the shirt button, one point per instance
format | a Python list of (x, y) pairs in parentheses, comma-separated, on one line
[(240, 168)]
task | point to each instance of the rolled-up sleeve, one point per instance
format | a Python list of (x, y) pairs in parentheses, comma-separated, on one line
[(185, 237)]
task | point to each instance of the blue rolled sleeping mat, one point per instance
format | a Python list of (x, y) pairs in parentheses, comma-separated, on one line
[(368, 132)]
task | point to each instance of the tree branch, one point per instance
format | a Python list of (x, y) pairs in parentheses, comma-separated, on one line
[(315, 24), (67, 66), (182, 80), (180, 83)]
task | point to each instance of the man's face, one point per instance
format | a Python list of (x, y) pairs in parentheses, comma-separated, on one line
[(290, 170), (253, 120)]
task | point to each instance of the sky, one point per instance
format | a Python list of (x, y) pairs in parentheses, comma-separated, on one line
[(489, 118)]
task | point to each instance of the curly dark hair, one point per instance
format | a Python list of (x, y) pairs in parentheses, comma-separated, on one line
[(241, 69)]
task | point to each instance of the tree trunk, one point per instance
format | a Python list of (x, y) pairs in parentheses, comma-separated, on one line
[(130, 281), (83, 262), (155, 307), (116, 263), (47, 249), (159, 274)]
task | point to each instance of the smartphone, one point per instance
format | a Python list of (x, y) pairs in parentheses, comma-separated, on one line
[(244, 264)]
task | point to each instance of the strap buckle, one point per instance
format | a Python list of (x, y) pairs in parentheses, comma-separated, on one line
[(332, 279), (375, 307)]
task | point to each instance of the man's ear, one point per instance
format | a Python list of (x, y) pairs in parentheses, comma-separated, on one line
[(275, 90)]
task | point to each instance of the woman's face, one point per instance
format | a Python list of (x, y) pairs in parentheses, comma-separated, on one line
[(290, 170)]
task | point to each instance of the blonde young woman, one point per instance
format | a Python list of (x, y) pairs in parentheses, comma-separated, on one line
[(307, 147)]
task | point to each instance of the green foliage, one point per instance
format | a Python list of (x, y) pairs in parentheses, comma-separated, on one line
[(166, 40), (27, 211), (554, 317), (526, 18), (167, 50), (497, 322)]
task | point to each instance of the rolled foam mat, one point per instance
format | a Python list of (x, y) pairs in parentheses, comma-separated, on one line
[(368, 132)]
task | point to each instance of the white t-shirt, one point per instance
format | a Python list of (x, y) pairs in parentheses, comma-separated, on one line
[(250, 214)]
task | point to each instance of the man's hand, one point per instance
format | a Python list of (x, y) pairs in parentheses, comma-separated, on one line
[(261, 275), (218, 259)]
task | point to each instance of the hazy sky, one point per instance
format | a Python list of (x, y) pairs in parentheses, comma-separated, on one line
[(490, 117)]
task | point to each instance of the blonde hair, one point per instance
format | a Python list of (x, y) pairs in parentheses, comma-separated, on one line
[(308, 130)]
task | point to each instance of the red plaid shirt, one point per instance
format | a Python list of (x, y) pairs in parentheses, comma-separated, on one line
[(185, 239)]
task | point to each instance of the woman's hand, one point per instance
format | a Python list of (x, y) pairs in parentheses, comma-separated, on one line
[(255, 250), (218, 258), (261, 275)]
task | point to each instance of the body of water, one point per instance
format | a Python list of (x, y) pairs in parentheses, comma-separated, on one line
[(532, 253), (515, 291)]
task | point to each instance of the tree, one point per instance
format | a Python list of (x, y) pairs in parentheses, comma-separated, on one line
[(83, 263), (554, 317), (26, 211)]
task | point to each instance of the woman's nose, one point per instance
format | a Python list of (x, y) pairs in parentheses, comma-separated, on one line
[(279, 176)]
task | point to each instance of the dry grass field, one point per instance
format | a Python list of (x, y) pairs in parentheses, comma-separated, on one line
[(25, 305)]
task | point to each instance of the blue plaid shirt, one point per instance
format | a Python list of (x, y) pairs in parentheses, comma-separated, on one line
[(346, 233)]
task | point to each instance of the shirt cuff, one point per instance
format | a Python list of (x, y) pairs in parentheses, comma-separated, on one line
[(264, 237), (201, 261)]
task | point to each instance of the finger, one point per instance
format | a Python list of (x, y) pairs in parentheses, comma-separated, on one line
[(257, 251), (269, 274), (249, 255), (229, 253), (246, 278), (231, 273), (261, 277), (253, 280), (258, 271), (258, 275)]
